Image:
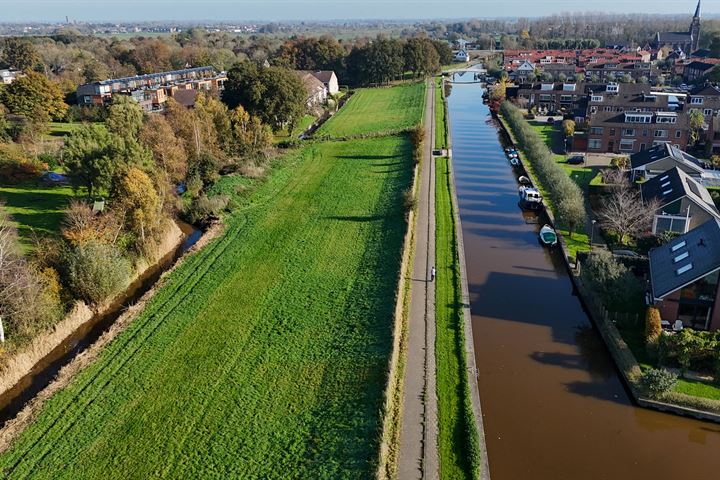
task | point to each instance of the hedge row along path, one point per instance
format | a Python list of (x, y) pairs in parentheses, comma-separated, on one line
[(265, 354)]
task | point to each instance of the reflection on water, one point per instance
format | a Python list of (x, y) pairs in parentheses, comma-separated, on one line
[(553, 402)]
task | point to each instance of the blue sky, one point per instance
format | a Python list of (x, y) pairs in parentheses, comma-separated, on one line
[(132, 10)]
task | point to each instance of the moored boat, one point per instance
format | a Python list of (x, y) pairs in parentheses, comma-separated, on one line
[(547, 236), (530, 198), (523, 180)]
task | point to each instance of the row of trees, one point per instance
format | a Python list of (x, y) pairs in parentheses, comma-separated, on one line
[(565, 195)]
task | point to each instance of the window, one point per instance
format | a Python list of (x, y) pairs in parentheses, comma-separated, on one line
[(678, 246), (566, 98), (545, 98), (607, 109), (644, 132), (696, 101), (593, 109), (596, 98), (660, 133), (638, 118), (684, 268), (678, 133), (628, 132), (594, 144), (596, 130), (627, 145), (612, 132), (664, 119), (681, 257), (707, 112), (642, 147)]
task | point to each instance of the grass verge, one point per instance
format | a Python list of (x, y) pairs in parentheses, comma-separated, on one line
[(441, 126), (458, 446)]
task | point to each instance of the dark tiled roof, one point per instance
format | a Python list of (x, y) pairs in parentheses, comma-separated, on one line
[(323, 75), (663, 151), (670, 267), (673, 37), (705, 90), (674, 185), (697, 65)]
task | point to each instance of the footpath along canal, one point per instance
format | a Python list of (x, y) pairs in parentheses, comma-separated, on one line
[(554, 406)]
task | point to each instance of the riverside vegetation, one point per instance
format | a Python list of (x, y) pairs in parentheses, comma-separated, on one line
[(264, 353)]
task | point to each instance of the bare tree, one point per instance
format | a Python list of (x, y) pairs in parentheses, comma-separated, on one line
[(624, 211)]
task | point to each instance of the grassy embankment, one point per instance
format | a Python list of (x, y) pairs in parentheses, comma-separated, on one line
[(378, 110), (458, 438), (264, 353)]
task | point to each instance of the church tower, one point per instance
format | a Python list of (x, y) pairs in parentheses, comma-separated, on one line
[(695, 29)]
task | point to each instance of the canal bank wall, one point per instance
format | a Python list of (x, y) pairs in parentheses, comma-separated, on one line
[(471, 370), (621, 354)]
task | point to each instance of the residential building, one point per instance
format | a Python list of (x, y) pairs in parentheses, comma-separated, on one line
[(657, 160), (199, 78), (629, 118), (462, 56), (555, 97), (686, 41), (696, 69), (683, 203), (706, 99), (316, 90), (8, 76), (329, 79), (684, 278)]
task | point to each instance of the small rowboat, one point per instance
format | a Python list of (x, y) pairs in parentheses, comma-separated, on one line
[(548, 237), (523, 180)]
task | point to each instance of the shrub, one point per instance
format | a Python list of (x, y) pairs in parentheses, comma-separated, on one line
[(205, 209), (16, 165), (96, 271), (657, 381), (409, 201), (653, 327), (612, 280)]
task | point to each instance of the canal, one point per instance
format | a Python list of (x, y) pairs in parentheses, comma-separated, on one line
[(553, 404)]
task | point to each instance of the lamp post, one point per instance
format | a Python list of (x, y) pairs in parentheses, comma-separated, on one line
[(592, 233)]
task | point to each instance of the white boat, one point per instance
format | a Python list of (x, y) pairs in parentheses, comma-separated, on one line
[(523, 180), (548, 237), (530, 198), (514, 161)]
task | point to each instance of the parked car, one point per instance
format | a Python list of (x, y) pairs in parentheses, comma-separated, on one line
[(576, 160)]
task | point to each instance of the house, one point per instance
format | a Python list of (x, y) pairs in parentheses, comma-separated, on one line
[(199, 78), (329, 79), (522, 72), (659, 159), (8, 76), (706, 99), (630, 118), (684, 277), (683, 203), (695, 70), (686, 41), (462, 56), (316, 90)]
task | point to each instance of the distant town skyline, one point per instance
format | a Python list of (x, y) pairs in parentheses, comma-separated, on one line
[(322, 10)]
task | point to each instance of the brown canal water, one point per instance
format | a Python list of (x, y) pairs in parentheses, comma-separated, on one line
[(14, 399), (553, 404)]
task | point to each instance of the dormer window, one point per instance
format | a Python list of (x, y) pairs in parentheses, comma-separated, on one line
[(596, 98), (612, 88), (696, 101)]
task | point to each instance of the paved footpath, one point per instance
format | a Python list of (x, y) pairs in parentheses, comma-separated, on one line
[(418, 437)]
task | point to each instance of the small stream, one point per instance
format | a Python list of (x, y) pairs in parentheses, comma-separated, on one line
[(44, 371)]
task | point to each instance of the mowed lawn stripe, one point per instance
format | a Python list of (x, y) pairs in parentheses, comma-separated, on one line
[(375, 110), (274, 364)]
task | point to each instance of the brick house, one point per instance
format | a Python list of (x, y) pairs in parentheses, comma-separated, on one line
[(694, 70), (706, 98), (684, 278), (683, 203)]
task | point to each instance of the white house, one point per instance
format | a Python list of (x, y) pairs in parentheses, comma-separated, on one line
[(462, 56)]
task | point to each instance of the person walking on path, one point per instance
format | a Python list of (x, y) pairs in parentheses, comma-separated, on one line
[(432, 274)]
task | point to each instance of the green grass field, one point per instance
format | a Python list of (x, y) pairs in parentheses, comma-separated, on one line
[(456, 449), (303, 125), (265, 354), (35, 210), (375, 110)]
